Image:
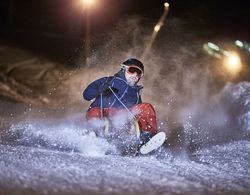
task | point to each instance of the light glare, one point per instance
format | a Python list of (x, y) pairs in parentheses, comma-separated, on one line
[(239, 43), (213, 46), (233, 63), (89, 3), (157, 28), (166, 5)]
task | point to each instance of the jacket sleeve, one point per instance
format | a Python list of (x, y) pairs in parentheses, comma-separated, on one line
[(140, 100), (91, 91), (140, 92), (119, 85)]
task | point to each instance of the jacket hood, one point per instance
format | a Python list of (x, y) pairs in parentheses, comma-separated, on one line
[(121, 75)]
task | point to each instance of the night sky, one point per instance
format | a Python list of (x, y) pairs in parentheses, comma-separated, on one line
[(232, 18), (26, 22)]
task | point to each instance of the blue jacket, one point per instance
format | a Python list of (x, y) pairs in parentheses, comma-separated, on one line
[(128, 95)]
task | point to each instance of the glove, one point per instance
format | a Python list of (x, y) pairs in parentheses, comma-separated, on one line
[(104, 89)]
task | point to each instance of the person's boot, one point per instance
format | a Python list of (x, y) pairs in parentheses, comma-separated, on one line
[(145, 136)]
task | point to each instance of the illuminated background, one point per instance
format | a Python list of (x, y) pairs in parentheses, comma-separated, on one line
[(59, 31), (191, 77)]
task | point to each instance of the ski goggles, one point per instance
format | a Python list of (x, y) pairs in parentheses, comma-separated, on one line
[(134, 69)]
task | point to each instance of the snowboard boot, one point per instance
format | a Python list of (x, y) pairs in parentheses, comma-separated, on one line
[(145, 136)]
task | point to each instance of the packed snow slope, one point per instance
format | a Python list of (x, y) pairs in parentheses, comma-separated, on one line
[(57, 157)]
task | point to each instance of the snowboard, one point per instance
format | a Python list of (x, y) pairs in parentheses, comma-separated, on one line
[(154, 143)]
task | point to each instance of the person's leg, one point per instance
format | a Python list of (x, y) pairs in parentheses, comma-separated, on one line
[(146, 117), (99, 113), (100, 119), (94, 122), (93, 113)]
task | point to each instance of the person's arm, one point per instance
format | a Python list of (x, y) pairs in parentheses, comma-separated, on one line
[(140, 92), (140, 100), (92, 91)]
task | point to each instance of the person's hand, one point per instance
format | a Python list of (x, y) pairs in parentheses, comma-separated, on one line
[(105, 89)]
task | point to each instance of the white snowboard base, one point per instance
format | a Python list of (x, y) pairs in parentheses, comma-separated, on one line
[(154, 143)]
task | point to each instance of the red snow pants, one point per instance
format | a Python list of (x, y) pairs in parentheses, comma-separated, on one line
[(144, 113)]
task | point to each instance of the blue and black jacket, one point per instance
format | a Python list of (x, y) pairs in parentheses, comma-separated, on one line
[(128, 95)]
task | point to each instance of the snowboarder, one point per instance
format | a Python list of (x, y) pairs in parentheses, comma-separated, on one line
[(122, 94)]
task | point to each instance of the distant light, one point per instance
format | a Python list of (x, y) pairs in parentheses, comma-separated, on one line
[(239, 43), (211, 51), (157, 28), (213, 46), (166, 5), (232, 63), (88, 3)]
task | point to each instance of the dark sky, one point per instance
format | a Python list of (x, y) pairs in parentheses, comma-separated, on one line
[(57, 15), (55, 27), (227, 16)]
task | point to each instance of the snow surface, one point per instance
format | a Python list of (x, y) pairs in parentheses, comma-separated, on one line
[(217, 170), (61, 158)]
